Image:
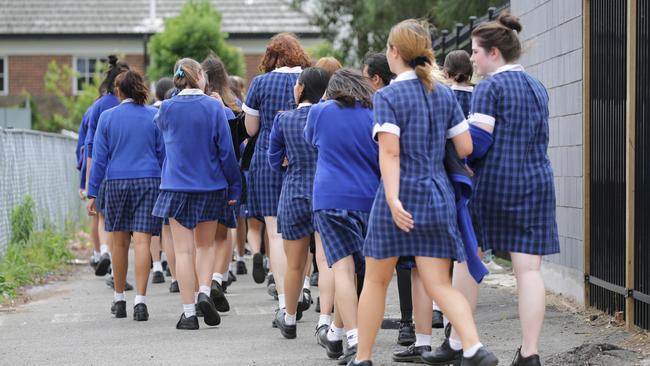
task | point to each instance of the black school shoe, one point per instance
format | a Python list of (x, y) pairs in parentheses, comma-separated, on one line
[(313, 279), (288, 331), (173, 287), (334, 349), (231, 277), (168, 272), (111, 283), (271, 288), (103, 265), (482, 357), (93, 262), (360, 363), (120, 309), (210, 315), (158, 277), (411, 354), (218, 297), (317, 309), (198, 311), (443, 355), (191, 323), (348, 356), (258, 268), (140, 313), (241, 268), (437, 321), (406, 335), (532, 360)]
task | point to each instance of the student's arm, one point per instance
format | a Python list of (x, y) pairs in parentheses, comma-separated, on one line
[(310, 126), (483, 107), (160, 146), (277, 149), (223, 141), (100, 159), (458, 130), (252, 108)]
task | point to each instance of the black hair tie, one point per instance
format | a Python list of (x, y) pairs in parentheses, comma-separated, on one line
[(419, 61)]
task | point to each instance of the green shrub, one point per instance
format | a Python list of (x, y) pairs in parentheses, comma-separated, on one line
[(22, 221)]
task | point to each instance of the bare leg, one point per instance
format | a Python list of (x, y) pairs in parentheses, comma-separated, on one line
[(276, 253), (184, 251), (241, 237), (421, 304), (142, 261), (325, 280), (155, 248), (346, 291), (204, 235), (464, 282), (94, 232), (255, 234), (296, 252), (223, 251), (120, 259), (532, 299), (168, 247)]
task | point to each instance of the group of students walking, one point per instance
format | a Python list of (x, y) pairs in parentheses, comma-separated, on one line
[(400, 167)]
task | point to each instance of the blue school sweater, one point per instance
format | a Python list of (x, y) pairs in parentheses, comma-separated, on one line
[(105, 102), (200, 154), (347, 170), (81, 149), (128, 145)]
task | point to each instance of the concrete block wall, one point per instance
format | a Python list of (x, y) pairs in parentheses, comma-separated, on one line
[(552, 37)]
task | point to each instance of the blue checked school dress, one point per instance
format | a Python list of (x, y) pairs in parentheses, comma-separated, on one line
[(128, 204), (464, 97), (423, 121), (287, 139), (342, 232), (268, 94), (513, 208), (192, 208)]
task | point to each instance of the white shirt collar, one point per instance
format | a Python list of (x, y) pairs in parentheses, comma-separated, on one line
[(303, 104), (127, 100), (157, 103), (465, 88), (289, 70), (406, 75), (507, 67), (191, 92)]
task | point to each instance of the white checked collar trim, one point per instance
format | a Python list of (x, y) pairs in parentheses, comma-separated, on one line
[(127, 100), (191, 92), (304, 104), (288, 70), (465, 88), (406, 75), (507, 67)]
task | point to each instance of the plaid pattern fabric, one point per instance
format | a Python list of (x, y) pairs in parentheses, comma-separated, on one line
[(99, 201), (231, 214), (342, 232), (295, 207), (128, 205), (424, 120), (268, 94), (464, 99), (513, 208), (191, 208)]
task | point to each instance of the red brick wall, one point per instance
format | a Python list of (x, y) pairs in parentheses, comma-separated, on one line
[(252, 62), (136, 62), (27, 73)]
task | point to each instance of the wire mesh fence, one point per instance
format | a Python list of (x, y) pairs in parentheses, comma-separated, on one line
[(41, 165)]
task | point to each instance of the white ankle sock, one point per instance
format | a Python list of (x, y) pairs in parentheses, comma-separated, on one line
[(189, 310), (422, 340), (157, 267), (324, 319), (140, 299), (335, 333), (455, 344), (217, 277), (119, 296), (281, 301), (435, 306), (103, 249), (290, 319), (96, 255), (196, 297), (173, 279), (353, 337), (163, 257), (240, 258), (205, 290), (472, 350), (306, 283)]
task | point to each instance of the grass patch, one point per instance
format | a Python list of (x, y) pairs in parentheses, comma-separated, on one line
[(31, 256)]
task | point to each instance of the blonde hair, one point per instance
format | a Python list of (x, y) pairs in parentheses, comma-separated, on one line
[(186, 74), (329, 64), (413, 40)]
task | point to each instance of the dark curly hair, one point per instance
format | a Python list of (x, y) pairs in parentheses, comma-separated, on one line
[(115, 68), (284, 49), (347, 87), (130, 84)]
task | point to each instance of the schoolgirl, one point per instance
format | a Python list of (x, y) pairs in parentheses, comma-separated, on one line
[(199, 175), (268, 94), (414, 214), (513, 208), (106, 101), (80, 152), (288, 151), (347, 175), (459, 71), (128, 153)]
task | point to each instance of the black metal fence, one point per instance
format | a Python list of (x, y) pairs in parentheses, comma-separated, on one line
[(460, 37), (641, 291)]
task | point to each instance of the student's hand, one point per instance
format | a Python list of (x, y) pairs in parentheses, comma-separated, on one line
[(216, 96), (82, 194), (285, 162), (471, 172), (402, 218), (232, 202), (91, 208)]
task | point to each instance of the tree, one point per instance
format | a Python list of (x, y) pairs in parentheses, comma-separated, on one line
[(449, 12), (193, 33)]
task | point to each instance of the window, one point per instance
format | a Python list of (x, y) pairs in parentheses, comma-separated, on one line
[(85, 68), (4, 82)]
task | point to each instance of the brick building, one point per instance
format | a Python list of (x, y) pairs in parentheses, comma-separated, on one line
[(78, 33)]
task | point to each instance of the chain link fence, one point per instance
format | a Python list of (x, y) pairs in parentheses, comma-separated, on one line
[(41, 165)]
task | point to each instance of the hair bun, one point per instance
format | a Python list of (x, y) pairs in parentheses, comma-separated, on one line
[(112, 60), (510, 21)]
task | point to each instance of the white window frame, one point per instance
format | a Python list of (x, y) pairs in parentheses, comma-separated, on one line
[(85, 73), (5, 75)]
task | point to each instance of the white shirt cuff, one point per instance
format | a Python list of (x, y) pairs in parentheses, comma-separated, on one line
[(386, 127), (482, 118), (458, 129), (249, 110)]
